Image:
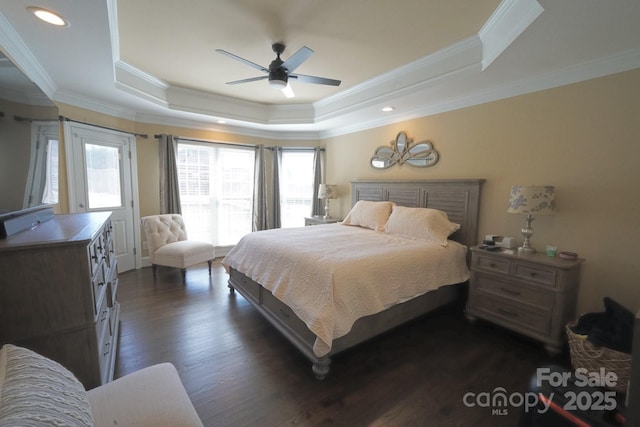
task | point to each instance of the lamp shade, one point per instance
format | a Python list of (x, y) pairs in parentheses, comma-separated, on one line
[(328, 191), (539, 200)]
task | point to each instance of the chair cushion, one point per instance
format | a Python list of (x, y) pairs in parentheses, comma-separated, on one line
[(184, 253), (35, 390), (151, 397)]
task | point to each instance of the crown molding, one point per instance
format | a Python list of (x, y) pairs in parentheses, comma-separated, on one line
[(508, 21), (88, 103), (19, 53), (504, 26), (427, 86)]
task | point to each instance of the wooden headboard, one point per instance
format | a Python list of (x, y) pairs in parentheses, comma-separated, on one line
[(459, 198)]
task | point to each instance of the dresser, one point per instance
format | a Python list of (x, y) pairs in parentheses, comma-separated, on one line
[(533, 294), (58, 287)]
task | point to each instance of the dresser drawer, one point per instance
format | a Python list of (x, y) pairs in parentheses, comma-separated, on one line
[(535, 273), (247, 287), (281, 311), (510, 314), (489, 263), (98, 283), (537, 297), (104, 335), (102, 320)]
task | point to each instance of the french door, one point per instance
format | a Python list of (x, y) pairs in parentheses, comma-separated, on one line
[(102, 177)]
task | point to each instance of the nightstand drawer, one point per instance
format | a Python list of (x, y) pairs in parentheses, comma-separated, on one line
[(512, 315), (538, 274), (493, 264), (536, 297)]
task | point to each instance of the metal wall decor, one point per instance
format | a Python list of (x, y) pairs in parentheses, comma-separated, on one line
[(420, 155)]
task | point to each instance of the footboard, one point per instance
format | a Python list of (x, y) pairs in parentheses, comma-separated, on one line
[(297, 332)]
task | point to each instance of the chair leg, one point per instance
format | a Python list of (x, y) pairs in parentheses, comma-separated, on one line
[(153, 268), (209, 262), (184, 276)]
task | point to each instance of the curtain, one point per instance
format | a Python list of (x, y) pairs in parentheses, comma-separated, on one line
[(317, 207), (260, 215), (169, 188), (266, 188), (275, 179)]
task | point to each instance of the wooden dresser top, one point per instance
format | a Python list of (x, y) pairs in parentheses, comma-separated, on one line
[(62, 230)]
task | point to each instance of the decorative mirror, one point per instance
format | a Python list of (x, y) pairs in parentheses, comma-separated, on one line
[(420, 155)]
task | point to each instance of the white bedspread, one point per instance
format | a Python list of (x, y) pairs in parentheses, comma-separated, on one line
[(331, 275)]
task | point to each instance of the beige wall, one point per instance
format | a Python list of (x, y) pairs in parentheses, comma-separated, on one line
[(584, 139)]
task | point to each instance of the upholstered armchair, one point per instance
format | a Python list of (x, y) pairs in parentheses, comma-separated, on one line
[(168, 244)]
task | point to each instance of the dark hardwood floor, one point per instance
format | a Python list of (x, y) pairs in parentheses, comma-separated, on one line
[(239, 371)]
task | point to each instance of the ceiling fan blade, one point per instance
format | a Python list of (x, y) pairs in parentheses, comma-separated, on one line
[(252, 79), (316, 80), (297, 58), (244, 61)]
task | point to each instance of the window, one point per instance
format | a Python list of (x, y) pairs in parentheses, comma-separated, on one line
[(296, 187), (216, 191), (103, 176)]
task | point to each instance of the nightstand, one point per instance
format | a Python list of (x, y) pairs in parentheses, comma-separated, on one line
[(316, 220), (533, 294)]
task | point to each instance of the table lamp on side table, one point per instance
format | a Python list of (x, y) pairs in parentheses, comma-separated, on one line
[(327, 192), (539, 200)]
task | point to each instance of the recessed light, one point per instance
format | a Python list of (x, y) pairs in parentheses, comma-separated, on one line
[(222, 122), (388, 109), (48, 16)]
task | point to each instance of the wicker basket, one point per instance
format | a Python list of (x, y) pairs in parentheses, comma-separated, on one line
[(586, 355)]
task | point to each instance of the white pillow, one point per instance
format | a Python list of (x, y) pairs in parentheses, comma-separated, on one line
[(427, 224), (38, 391), (373, 215)]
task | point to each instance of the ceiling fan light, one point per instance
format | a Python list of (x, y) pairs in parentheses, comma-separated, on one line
[(278, 78), (288, 92), (278, 84)]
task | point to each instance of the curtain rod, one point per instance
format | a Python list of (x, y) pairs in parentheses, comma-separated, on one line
[(211, 142), (141, 135), (29, 119), (236, 145)]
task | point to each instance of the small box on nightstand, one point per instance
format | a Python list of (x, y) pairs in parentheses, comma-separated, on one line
[(317, 220)]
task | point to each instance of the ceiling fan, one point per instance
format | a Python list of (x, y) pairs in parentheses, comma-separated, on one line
[(279, 72)]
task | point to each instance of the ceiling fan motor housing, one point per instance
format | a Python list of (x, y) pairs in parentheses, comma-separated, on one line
[(278, 78)]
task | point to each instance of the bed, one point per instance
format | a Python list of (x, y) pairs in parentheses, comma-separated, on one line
[(327, 288)]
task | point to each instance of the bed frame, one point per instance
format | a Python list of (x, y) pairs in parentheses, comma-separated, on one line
[(459, 198)]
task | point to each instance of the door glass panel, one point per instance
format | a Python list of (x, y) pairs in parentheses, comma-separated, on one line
[(103, 176)]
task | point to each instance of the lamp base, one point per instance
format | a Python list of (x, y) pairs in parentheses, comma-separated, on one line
[(326, 209), (526, 251), (527, 232)]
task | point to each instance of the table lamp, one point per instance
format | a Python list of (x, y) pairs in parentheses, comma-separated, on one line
[(327, 192), (538, 200)]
